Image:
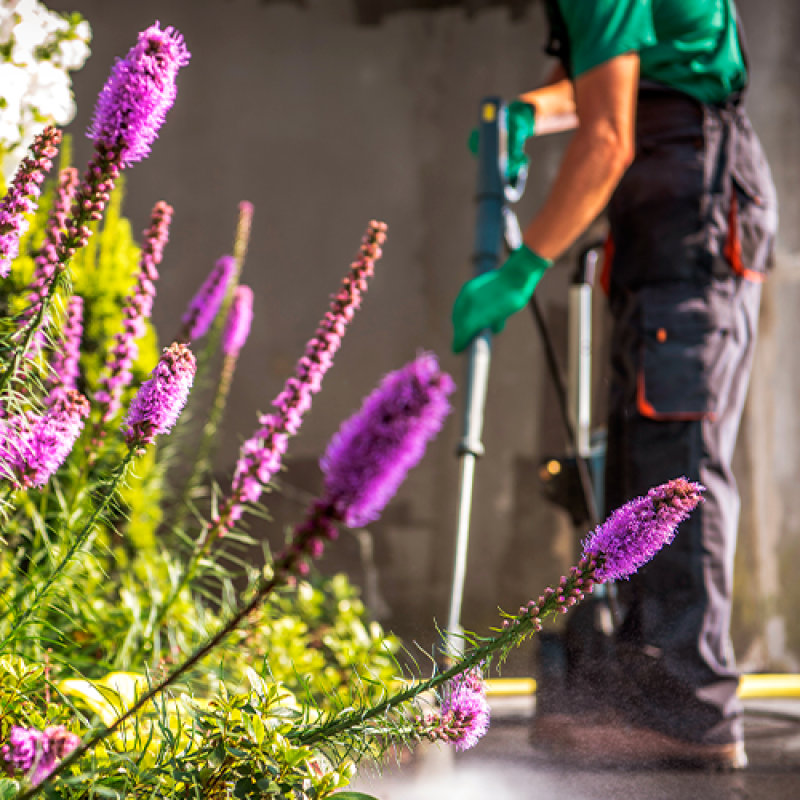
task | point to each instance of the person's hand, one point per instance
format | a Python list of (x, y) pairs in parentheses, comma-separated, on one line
[(490, 299), (520, 123)]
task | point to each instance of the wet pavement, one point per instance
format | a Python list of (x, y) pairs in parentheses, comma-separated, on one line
[(504, 766)]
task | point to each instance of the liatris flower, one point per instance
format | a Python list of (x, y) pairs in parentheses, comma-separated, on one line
[(465, 712), (634, 533), (46, 260), (117, 373), (260, 456), (160, 400), (628, 539), (130, 110), (65, 360), (23, 193), (137, 96), (240, 317), (33, 448), (205, 305), (28, 748), (369, 457), (23, 749)]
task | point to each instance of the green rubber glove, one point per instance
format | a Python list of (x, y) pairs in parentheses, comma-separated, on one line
[(521, 125), (490, 299)]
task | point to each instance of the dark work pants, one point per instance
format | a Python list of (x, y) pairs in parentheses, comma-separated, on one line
[(692, 224)]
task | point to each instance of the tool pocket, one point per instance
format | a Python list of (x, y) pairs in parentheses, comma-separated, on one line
[(743, 216), (686, 332), (756, 218)]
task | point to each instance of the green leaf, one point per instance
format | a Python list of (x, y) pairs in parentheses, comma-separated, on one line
[(8, 788)]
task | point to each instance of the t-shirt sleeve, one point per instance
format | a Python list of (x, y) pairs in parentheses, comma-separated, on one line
[(600, 30)]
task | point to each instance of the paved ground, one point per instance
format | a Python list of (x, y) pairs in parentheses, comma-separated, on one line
[(505, 767)]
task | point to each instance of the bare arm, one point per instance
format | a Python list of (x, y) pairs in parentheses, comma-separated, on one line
[(554, 102), (596, 158)]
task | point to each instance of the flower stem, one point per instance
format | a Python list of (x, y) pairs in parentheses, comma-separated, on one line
[(199, 469)]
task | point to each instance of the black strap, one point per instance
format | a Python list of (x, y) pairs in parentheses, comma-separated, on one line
[(558, 44)]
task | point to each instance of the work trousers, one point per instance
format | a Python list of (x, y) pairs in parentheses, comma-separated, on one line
[(692, 227)]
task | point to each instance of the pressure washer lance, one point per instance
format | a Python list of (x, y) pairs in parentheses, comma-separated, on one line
[(494, 192)]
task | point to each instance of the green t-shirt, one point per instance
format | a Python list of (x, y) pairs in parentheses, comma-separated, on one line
[(689, 45)]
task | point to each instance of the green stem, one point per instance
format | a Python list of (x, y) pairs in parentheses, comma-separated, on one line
[(205, 540), (206, 448), (80, 540), (214, 419)]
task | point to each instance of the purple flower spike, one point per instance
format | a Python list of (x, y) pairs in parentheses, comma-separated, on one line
[(260, 456), (160, 400), (65, 360), (465, 711), (369, 457), (33, 448), (240, 317), (205, 305), (117, 375), (46, 261), (634, 533), (23, 193), (137, 96)]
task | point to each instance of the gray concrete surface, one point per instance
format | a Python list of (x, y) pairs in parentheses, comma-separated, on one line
[(505, 767), (324, 124)]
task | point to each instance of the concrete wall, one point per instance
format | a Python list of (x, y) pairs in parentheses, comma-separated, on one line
[(324, 125)]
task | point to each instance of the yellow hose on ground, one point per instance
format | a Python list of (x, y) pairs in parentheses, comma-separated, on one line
[(751, 687)]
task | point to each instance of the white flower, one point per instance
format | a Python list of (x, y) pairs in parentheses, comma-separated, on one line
[(73, 53), (35, 89), (28, 35), (50, 93), (9, 130), (14, 84)]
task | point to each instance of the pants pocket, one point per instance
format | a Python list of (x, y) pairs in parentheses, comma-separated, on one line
[(744, 212), (686, 332)]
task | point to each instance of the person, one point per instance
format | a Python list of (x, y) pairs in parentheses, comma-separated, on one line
[(662, 140)]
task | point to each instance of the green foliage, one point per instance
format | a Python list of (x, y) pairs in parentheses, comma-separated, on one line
[(94, 612), (320, 629), (234, 744)]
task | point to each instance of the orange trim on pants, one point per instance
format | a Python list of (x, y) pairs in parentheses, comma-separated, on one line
[(733, 246), (645, 408)]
